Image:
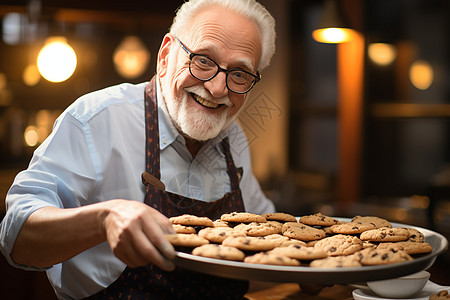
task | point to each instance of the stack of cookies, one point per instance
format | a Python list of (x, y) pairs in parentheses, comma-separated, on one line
[(313, 240)]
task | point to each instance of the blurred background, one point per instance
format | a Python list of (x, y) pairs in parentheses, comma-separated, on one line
[(356, 126)]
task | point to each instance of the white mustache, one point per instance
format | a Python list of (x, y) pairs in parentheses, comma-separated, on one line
[(201, 91)]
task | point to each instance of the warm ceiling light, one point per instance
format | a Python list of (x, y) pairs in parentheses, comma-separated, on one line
[(421, 74), (333, 35), (131, 57), (381, 53), (333, 28), (57, 60)]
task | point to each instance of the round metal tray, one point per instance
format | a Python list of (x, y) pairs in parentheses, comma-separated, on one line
[(305, 274)]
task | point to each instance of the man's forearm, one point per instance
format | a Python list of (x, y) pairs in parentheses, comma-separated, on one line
[(52, 235)]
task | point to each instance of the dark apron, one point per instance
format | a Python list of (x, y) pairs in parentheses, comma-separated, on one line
[(150, 282)]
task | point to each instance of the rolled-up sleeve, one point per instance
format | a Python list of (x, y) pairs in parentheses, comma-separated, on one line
[(55, 177)]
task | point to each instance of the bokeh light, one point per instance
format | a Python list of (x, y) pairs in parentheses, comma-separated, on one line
[(57, 61)]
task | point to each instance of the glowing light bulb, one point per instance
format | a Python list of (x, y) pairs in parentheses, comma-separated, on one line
[(57, 61), (333, 35)]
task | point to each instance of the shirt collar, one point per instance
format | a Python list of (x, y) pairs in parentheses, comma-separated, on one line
[(167, 131)]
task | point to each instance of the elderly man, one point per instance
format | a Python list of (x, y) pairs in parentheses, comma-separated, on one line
[(92, 208)]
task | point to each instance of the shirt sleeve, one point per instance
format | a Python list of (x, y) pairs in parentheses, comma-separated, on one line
[(55, 177), (255, 201)]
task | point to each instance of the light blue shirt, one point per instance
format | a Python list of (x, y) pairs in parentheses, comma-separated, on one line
[(96, 152)]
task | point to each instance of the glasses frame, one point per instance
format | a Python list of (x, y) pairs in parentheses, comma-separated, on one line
[(191, 54)]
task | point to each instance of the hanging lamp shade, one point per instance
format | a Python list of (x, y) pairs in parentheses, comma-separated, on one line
[(333, 26)]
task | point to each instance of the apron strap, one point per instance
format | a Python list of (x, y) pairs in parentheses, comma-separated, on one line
[(234, 173), (152, 161)]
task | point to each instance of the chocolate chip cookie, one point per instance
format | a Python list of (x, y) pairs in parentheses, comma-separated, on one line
[(340, 245), (375, 221), (271, 259), (242, 217), (259, 229), (336, 262), (299, 252), (280, 216), (415, 235), (441, 295), (302, 232), (252, 243), (191, 220), (183, 228), (351, 227), (186, 240), (409, 247), (385, 234), (374, 256), (318, 220), (218, 234), (219, 252)]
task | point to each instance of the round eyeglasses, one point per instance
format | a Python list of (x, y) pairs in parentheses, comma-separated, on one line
[(204, 68)]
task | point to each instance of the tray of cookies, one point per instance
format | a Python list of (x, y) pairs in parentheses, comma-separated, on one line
[(308, 249)]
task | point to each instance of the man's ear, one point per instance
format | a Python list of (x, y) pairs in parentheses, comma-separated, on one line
[(163, 55)]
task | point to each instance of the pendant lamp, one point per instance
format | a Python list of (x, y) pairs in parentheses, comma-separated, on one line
[(333, 27)]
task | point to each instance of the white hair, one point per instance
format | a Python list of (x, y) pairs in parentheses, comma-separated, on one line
[(247, 8)]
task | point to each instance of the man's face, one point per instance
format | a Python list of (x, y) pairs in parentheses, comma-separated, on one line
[(200, 110)]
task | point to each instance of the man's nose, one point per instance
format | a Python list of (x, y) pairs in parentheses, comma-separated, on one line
[(217, 86)]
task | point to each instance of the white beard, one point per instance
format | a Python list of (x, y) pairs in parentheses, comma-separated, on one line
[(191, 122)]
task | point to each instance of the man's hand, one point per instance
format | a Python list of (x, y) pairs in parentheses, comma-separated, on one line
[(135, 233)]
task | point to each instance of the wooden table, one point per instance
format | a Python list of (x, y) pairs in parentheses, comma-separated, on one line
[(292, 291)]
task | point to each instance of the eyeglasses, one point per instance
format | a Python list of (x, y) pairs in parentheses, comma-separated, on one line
[(204, 68)]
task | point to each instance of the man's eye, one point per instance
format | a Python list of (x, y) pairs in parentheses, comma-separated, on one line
[(203, 61), (239, 76)]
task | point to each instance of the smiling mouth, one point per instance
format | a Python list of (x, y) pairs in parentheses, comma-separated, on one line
[(205, 103)]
